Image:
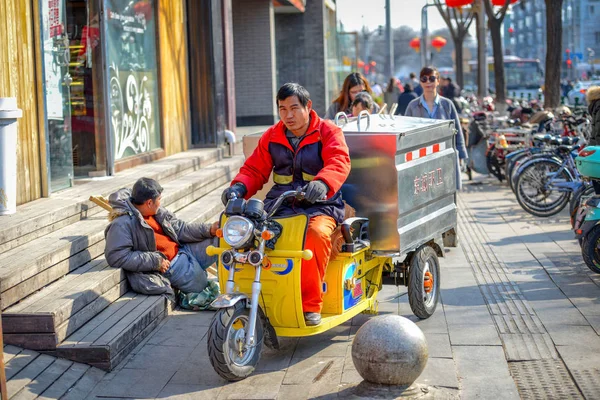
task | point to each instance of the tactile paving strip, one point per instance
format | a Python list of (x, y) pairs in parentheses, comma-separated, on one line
[(544, 379), (533, 360), (588, 381), (522, 347), (515, 319)]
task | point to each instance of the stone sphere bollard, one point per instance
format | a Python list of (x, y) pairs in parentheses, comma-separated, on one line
[(390, 350)]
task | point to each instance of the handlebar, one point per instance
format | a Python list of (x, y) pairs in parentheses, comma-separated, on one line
[(299, 194), (304, 254)]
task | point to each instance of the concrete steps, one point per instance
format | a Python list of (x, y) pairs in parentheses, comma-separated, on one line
[(106, 339), (46, 318), (58, 293), (46, 215), (33, 375), (30, 267)]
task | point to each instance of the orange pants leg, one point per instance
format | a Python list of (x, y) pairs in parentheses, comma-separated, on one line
[(318, 240)]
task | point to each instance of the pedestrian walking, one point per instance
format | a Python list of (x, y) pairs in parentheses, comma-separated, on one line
[(416, 85), (393, 89), (353, 85), (363, 101), (431, 105), (405, 98)]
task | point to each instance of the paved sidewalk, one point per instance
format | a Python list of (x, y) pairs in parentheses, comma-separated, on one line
[(464, 345), (518, 319)]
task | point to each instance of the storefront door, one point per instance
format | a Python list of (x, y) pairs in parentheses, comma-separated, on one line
[(87, 88), (57, 83), (101, 81)]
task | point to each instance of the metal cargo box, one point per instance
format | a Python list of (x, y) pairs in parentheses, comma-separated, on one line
[(403, 179)]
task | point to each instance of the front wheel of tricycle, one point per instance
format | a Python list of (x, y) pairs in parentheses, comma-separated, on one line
[(424, 282), (228, 354)]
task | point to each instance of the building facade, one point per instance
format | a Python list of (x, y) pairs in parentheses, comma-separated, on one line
[(283, 41), (525, 34), (108, 84), (105, 85)]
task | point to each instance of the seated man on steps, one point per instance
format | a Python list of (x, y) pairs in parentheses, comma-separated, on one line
[(155, 248)]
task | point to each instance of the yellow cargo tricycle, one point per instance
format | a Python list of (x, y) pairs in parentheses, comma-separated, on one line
[(260, 255)]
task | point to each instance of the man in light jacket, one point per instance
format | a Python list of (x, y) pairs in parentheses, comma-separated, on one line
[(155, 248)]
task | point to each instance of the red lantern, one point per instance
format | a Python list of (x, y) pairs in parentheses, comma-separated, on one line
[(458, 3), (438, 42), (500, 3), (361, 64), (415, 44)]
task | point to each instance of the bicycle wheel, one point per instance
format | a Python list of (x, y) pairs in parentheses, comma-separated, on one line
[(534, 190), (493, 165), (511, 168)]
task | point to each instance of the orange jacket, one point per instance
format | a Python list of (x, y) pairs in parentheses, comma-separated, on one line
[(334, 152)]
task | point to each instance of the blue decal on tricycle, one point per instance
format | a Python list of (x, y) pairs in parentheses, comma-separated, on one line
[(287, 269), (351, 296)]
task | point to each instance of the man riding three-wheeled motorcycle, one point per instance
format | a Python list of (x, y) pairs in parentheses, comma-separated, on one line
[(300, 263)]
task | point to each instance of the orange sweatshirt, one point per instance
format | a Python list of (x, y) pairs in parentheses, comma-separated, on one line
[(164, 244)]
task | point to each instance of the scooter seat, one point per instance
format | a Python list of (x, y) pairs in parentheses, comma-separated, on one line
[(564, 148), (569, 140), (546, 138)]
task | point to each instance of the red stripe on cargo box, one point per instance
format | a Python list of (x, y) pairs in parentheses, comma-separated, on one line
[(424, 151)]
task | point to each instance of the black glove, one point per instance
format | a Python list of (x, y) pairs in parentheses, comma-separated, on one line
[(238, 188), (315, 190)]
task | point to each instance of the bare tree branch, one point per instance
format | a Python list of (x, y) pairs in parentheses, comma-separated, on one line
[(445, 15), (458, 30), (468, 24)]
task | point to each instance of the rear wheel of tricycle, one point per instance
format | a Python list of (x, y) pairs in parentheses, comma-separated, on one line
[(228, 354), (424, 282)]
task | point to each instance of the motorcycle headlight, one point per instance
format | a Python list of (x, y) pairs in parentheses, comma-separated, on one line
[(238, 231)]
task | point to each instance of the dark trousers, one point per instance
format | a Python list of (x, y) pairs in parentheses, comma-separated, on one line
[(188, 269)]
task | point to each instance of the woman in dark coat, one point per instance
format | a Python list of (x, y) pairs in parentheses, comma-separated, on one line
[(405, 97)]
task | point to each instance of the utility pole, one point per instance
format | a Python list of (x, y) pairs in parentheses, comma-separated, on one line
[(482, 65), (424, 34), (389, 48)]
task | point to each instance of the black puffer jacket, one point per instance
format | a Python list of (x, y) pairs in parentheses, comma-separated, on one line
[(593, 99)]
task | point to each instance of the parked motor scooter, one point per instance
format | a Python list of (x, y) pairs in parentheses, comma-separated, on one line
[(587, 219)]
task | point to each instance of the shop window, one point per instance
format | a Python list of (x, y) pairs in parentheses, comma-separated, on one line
[(131, 58)]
